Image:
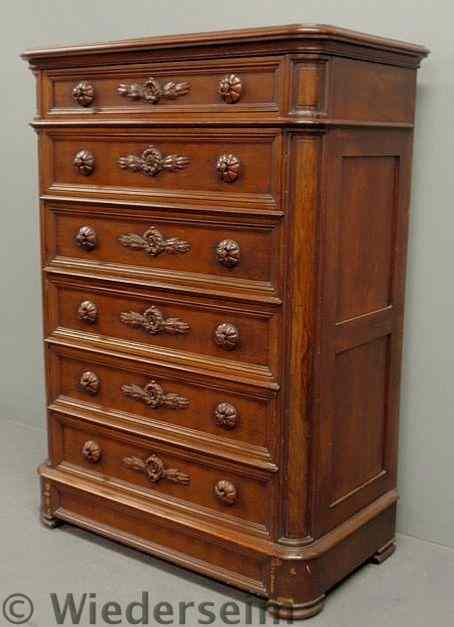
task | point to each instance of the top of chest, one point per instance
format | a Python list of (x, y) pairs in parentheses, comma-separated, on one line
[(288, 74)]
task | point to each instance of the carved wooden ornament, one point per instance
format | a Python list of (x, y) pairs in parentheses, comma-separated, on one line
[(154, 396), (92, 452), (90, 382), (230, 88), (152, 90), (86, 238), (153, 322), (228, 168), (227, 336), (84, 93), (88, 311), (153, 467), (153, 243), (226, 492), (226, 415), (151, 162), (228, 253), (84, 162)]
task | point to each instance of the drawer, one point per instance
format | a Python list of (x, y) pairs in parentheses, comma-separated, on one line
[(163, 473), (210, 87), (218, 166), (218, 333), (176, 406), (238, 253)]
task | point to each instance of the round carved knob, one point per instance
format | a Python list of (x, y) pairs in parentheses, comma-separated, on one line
[(84, 162), (89, 382), (228, 167), (226, 415), (228, 253), (88, 311), (84, 93), (86, 238), (230, 88), (226, 492), (227, 336), (92, 451)]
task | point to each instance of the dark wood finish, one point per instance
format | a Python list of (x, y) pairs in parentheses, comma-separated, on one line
[(224, 224)]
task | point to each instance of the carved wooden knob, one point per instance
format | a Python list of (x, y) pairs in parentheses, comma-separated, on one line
[(88, 311), (84, 93), (228, 167), (226, 415), (230, 88), (227, 336), (84, 162), (92, 451), (90, 382), (86, 238), (226, 492), (228, 253)]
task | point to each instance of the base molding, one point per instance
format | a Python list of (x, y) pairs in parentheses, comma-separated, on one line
[(294, 580), (280, 609)]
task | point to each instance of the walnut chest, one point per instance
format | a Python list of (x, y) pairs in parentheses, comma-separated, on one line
[(224, 222)]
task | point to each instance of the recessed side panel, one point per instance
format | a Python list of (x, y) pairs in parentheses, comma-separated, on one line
[(359, 430), (366, 230), (363, 251)]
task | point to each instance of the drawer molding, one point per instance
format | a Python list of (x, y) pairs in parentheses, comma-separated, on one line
[(241, 452)]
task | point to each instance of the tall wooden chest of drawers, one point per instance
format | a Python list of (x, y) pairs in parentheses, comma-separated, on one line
[(224, 224)]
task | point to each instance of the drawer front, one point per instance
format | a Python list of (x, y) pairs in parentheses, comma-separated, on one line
[(161, 472), (175, 405), (221, 331), (219, 166), (242, 252), (208, 87)]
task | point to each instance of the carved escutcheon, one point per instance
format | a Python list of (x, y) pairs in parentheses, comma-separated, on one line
[(151, 162), (153, 322), (154, 396), (154, 468), (226, 492), (152, 90), (153, 243)]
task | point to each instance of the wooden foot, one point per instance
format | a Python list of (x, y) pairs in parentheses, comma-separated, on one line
[(50, 521), (279, 609), (382, 554)]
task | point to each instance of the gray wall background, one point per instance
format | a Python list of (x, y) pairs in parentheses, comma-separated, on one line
[(427, 412)]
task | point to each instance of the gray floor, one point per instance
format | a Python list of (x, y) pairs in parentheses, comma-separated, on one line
[(414, 587)]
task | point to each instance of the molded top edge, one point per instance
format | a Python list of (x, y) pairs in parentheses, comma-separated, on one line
[(262, 34)]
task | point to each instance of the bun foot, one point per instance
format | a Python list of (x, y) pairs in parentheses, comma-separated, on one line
[(382, 554), (50, 521), (291, 612)]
